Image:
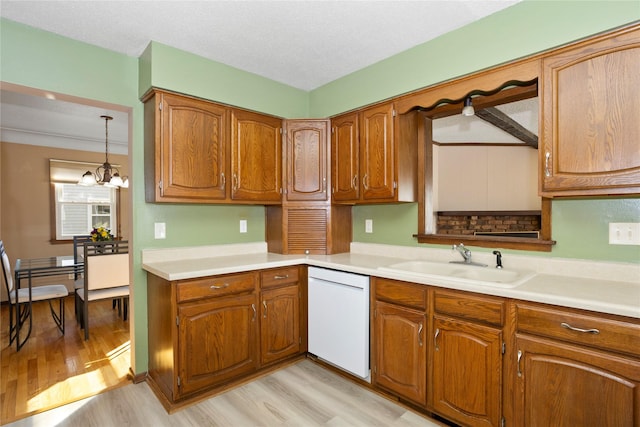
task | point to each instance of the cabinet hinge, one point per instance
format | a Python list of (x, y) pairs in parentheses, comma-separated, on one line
[(504, 347), (160, 184), (394, 113), (502, 422), (178, 381), (160, 106), (395, 184), (177, 321), (375, 369)]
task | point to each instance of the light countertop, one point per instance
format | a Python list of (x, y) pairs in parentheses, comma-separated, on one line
[(565, 288)]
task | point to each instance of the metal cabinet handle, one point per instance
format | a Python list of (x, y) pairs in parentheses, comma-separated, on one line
[(420, 335), (519, 357), (435, 339), (253, 307), (264, 304), (223, 180), (234, 178), (547, 170), (365, 181), (593, 331), (226, 285), (354, 182), (280, 277)]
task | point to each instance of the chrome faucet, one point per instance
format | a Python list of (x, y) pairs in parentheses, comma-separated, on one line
[(462, 250), (466, 255)]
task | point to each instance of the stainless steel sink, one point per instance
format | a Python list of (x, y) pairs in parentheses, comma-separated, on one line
[(488, 276)]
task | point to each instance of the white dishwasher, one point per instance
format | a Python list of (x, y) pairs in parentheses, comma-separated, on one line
[(339, 319)]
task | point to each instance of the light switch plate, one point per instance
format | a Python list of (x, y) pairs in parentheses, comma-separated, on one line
[(624, 233), (368, 226), (243, 225), (160, 230)]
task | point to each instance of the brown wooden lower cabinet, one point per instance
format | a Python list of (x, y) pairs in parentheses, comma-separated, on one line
[(564, 385), (280, 325), (217, 339), (400, 354), (467, 372), (209, 332)]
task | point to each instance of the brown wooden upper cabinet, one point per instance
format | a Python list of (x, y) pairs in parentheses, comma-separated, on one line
[(591, 110), (374, 156), (198, 151), (306, 161), (185, 143), (256, 157)]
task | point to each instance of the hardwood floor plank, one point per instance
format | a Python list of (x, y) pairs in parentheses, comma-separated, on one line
[(52, 369)]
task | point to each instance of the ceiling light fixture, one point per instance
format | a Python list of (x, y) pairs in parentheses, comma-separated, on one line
[(107, 176), (468, 108)]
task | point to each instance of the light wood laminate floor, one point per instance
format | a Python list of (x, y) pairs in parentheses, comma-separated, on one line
[(302, 394)]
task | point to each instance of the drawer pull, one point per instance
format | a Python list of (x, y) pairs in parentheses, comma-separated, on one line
[(519, 357), (264, 304), (420, 335), (226, 285), (435, 339), (280, 277), (253, 307), (573, 328)]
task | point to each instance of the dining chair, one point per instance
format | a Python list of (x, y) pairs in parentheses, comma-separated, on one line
[(106, 276), (21, 300)]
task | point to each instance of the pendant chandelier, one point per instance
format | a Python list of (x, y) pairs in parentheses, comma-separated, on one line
[(105, 174)]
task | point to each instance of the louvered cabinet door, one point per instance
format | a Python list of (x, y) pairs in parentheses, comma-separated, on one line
[(305, 230)]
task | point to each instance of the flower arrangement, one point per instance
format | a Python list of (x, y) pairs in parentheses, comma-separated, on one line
[(101, 234)]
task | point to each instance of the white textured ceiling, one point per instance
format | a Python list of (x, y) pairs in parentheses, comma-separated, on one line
[(304, 44)]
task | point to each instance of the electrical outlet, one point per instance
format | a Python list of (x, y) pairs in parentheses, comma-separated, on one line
[(160, 230), (243, 225), (368, 226), (624, 233)]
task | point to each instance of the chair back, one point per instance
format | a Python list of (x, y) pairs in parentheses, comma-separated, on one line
[(106, 264), (78, 241), (6, 270)]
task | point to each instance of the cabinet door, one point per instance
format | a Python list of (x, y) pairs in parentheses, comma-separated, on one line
[(590, 107), (377, 153), (217, 341), (280, 324), (400, 363), (256, 157), (191, 156), (565, 386), (306, 160), (467, 372), (345, 158)]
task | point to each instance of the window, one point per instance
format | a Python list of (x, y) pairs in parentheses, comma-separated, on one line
[(78, 209)]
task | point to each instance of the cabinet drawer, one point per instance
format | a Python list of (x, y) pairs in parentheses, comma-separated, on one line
[(591, 330), (483, 309), (279, 277), (402, 293), (215, 286)]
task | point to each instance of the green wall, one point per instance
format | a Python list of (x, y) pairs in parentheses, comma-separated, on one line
[(515, 32), (42, 60)]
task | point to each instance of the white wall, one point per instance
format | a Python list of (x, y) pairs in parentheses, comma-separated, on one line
[(486, 178)]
